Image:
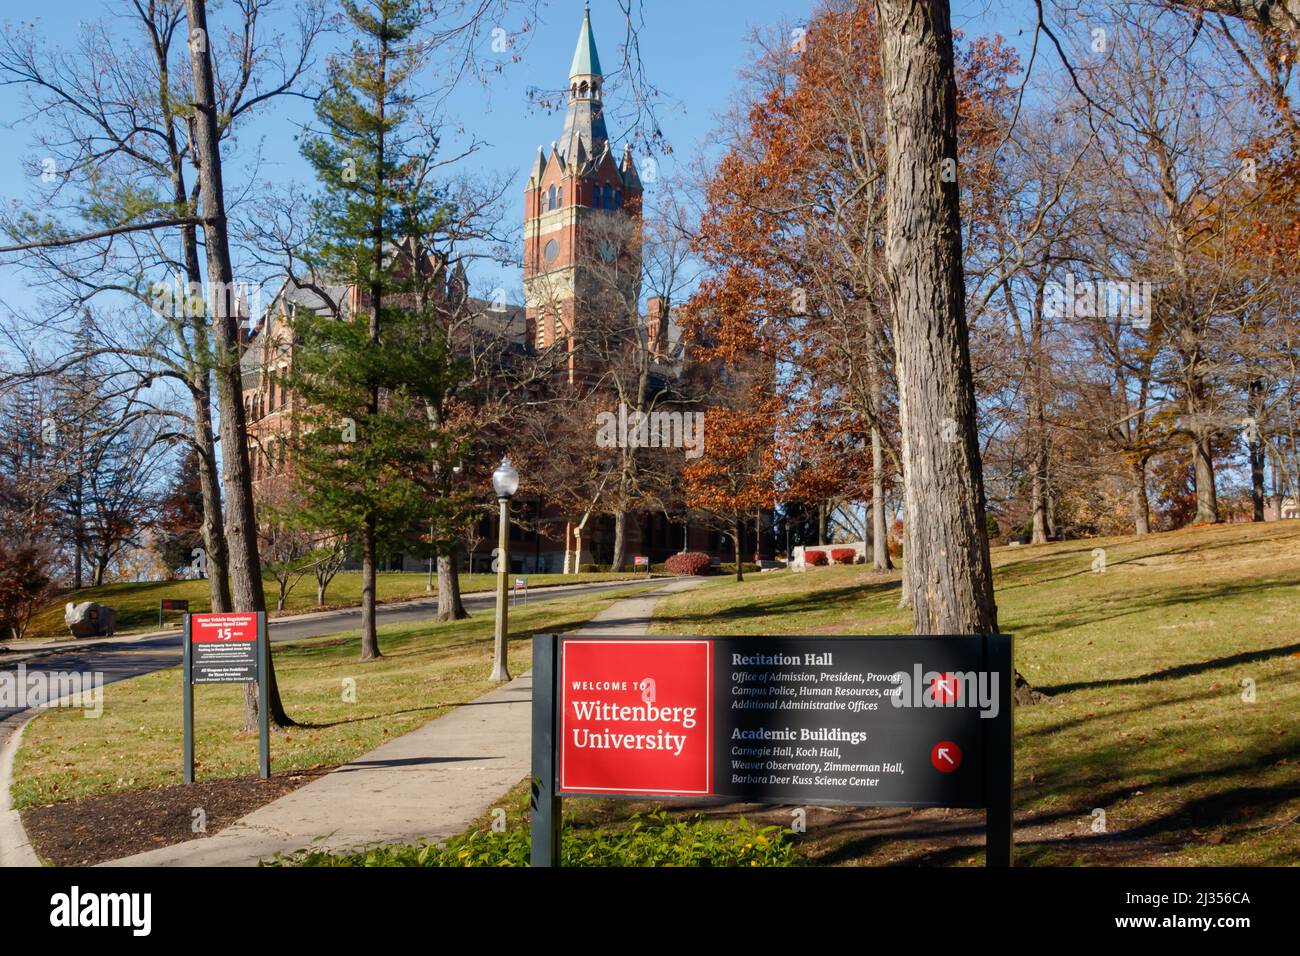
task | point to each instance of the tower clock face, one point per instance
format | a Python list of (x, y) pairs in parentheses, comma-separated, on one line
[(551, 251), (608, 250)]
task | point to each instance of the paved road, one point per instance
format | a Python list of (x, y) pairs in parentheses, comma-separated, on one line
[(120, 660)]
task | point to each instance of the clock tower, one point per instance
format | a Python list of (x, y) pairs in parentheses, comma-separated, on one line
[(582, 218)]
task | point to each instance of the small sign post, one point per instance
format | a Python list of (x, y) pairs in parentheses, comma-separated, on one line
[(642, 562), (225, 649), (521, 584), (172, 604), (847, 721)]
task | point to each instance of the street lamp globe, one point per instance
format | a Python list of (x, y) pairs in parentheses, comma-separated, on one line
[(505, 480)]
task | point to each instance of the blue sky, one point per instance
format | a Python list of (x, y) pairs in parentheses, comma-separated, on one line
[(691, 51)]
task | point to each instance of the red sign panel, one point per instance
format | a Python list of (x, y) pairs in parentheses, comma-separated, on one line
[(223, 628), (635, 717)]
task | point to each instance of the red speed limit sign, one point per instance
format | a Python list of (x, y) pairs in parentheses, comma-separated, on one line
[(224, 648)]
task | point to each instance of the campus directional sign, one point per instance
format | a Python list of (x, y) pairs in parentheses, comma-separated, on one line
[(858, 721), (225, 648)]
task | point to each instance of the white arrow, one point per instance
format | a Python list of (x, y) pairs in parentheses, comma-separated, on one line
[(943, 754)]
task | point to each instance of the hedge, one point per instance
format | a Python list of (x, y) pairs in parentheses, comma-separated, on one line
[(816, 558), (688, 563)]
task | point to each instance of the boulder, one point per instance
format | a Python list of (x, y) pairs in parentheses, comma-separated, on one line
[(89, 619)]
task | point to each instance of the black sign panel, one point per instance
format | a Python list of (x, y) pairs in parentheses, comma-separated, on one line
[(860, 721), (874, 721)]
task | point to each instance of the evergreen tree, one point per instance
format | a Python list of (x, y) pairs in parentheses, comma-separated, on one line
[(371, 445)]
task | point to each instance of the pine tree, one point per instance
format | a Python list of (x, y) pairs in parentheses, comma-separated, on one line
[(367, 455)]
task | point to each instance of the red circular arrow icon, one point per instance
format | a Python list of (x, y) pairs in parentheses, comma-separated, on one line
[(946, 756), (944, 689)]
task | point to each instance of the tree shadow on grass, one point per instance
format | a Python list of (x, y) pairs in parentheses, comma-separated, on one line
[(1114, 609), (784, 604), (1048, 730), (1181, 670), (1071, 806), (366, 717), (1030, 566)]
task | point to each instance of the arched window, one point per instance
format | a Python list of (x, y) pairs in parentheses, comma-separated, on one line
[(582, 90), (618, 199), (551, 199), (608, 194), (559, 199)]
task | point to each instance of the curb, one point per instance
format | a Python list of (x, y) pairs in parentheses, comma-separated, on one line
[(15, 848)]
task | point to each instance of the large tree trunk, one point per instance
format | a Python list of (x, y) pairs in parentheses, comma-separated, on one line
[(1141, 504), (450, 606), (1257, 478), (879, 533), (947, 550), (946, 553), (735, 537), (1207, 499), (1038, 495), (620, 540), (241, 518), (369, 560)]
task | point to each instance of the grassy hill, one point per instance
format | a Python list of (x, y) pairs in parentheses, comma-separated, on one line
[(426, 670), (1149, 666), (137, 604)]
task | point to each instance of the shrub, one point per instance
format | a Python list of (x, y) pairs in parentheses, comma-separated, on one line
[(25, 583), (651, 840), (746, 567), (816, 558), (688, 562), (843, 555), (588, 568)]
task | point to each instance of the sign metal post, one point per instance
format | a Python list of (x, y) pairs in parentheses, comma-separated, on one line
[(1000, 759), (187, 705), (545, 803), (263, 701)]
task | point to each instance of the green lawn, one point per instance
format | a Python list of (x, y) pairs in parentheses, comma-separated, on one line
[(137, 604), (1145, 664), (136, 744)]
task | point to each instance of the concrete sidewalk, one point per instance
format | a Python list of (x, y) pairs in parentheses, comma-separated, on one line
[(429, 784)]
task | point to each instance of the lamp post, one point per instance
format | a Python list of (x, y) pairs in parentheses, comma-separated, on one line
[(505, 482)]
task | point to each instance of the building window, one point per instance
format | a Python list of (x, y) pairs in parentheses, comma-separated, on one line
[(608, 193), (552, 251), (618, 199), (550, 203), (559, 198)]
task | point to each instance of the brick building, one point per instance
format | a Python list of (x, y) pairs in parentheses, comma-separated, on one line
[(582, 222)]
